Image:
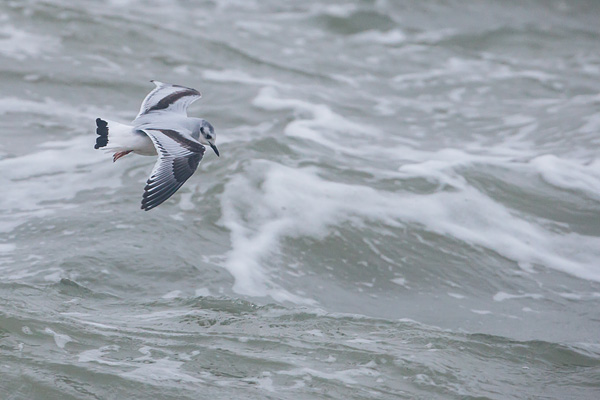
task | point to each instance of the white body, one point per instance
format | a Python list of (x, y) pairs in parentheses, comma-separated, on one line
[(127, 138)]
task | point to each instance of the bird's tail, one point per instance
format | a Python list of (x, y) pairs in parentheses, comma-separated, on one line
[(113, 136), (102, 132)]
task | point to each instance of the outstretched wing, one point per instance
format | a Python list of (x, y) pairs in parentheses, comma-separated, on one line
[(167, 97), (178, 157)]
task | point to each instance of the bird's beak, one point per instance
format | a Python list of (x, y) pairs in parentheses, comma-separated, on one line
[(214, 149)]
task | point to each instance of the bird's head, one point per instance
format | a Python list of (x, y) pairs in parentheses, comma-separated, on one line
[(208, 136)]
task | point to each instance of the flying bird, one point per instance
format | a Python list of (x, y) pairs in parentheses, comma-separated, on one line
[(161, 127)]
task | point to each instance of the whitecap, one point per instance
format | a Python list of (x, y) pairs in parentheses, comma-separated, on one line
[(399, 281), (316, 122), (569, 174), (344, 376), (55, 173), (501, 296), (391, 37), (59, 338), (172, 295), (19, 44), (460, 71), (202, 292), (160, 371), (236, 76), (99, 356), (269, 202)]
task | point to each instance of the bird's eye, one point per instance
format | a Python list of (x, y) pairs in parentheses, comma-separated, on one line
[(208, 137)]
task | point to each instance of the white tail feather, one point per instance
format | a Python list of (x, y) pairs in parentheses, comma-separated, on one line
[(116, 137)]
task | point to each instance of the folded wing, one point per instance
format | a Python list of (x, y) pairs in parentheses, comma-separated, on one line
[(178, 157), (169, 98)]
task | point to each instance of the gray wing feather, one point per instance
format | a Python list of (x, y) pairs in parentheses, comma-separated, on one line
[(178, 158), (167, 97)]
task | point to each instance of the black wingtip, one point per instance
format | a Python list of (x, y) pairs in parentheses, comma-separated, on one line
[(149, 206), (145, 206)]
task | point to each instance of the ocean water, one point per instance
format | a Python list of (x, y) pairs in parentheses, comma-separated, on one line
[(406, 206)]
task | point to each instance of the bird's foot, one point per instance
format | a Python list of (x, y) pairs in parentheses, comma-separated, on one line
[(120, 154)]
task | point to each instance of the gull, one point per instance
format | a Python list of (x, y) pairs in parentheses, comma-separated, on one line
[(161, 127)]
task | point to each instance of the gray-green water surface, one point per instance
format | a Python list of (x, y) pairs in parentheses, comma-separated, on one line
[(407, 202)]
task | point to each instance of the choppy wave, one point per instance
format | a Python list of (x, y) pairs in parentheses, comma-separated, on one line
[(221, 347), (406, 205)]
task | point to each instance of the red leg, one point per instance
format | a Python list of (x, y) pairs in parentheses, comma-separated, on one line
[(120, 154)]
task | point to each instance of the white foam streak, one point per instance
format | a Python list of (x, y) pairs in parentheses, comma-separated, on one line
[(53, 171), (249, 244), (501, 296), (392, 37), (52, 175), (316, 122), (271, 202), (463, 70), (99, 356), (235, 76), (19, 44), (160, 371), (60, 339), (43, 180), (47, 107), (570, 175), (345, 376), (282, 202)]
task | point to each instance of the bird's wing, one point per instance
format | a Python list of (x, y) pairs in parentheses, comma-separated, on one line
[(178, 157), (170, 98)]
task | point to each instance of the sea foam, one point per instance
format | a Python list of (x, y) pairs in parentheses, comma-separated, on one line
[(270, 201)]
